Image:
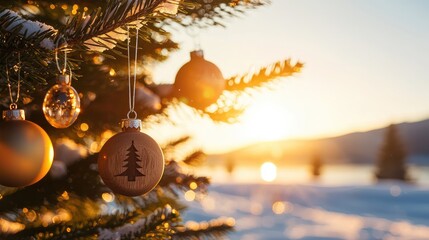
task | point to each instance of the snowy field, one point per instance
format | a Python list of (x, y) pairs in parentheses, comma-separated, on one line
[(386, 211)]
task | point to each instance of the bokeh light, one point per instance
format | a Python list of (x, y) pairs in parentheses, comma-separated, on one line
[(107, 197), (190, 195)]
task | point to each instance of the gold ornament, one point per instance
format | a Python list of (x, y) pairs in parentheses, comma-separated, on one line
[(26, 152), (62, 103), (131, 163), (199, 82)]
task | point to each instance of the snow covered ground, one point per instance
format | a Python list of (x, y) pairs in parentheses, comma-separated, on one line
[(391, 210)]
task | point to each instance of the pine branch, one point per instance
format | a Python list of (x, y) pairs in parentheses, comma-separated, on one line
[(145, 227), (214, 229), (100, 30), (19, 27), (174, 179), (50, 189), (169, 149), (195, 159), (103, 27), (73, 230), (201, 13), (175, 143), (228, 107), (24, 39), (138, 219), (263, 76), (228, 114)]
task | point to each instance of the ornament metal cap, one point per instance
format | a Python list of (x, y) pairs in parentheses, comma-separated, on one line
[(131, 124), (13, 114), (197, 54), (64, 79)]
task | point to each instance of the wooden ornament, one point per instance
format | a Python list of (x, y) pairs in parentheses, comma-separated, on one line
[(198, 83), (26, 151), (131, 163)]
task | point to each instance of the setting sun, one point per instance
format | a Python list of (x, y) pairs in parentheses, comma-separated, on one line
[(268, 171), (265, 120)]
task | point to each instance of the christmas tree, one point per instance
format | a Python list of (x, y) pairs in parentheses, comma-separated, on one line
[(72, 202), (392, 157)]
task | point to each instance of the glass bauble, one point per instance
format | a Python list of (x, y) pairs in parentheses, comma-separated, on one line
[(62, 104), (199, 82), (26, 151), (131, 163)]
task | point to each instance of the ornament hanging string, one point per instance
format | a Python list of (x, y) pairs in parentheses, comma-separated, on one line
[(64, 69), (13, 105), (132, 87), (194, 33)]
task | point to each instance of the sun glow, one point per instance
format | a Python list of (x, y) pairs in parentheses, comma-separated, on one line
[(268, 171), (265, 120)]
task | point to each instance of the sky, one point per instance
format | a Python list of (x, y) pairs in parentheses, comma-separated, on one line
[(366, 66)]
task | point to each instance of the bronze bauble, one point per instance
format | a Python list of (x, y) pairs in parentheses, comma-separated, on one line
[(199, 82), (26, 151), (131, 163)]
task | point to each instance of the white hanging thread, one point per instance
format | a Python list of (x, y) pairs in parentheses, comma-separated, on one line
[(194, 33), (132, 87), (64, 69), (13, 105)]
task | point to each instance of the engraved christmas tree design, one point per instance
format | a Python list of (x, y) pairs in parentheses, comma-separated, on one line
[(132, 164)]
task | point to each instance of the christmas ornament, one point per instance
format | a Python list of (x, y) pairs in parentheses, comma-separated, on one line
[(62, 103), (199, 82), (131, 163), (26, 152)]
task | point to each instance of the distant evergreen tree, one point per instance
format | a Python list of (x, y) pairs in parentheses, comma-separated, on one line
[(229, 166), (392, 157), (316, 166)]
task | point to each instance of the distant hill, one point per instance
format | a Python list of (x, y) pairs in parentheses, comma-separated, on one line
[(359, 147)]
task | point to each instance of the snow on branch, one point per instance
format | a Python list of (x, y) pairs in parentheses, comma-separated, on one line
[(100, 30), (12, 22), (105, 27), (141, 226)]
